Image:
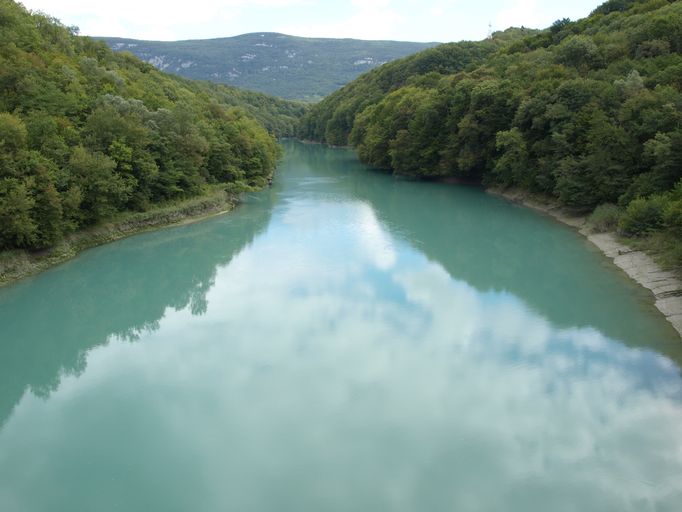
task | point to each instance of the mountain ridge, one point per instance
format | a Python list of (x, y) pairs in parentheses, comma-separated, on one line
[(292, 67)]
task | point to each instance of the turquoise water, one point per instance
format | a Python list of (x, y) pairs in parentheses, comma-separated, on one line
[(342, 341)]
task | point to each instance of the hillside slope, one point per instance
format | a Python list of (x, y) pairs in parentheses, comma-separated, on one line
[(286, 66), (332, 119), (86, 133), (587, 112)]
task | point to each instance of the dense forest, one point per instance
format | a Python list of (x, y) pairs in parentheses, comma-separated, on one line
[(587, 112), (86, 132)]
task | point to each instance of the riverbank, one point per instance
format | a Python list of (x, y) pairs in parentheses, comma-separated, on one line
[(639, 266), (18, 264)]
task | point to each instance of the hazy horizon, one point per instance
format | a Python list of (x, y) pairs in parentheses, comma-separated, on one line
[(398, 20)]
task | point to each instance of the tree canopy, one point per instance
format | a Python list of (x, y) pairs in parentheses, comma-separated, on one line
[(86, 132), (588, 112)]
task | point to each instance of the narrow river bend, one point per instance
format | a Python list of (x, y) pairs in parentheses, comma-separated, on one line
[(342, 341)]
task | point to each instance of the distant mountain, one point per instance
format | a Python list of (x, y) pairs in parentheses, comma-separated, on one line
[(286, 66)]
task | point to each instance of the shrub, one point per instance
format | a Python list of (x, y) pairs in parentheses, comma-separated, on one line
[(642, 216), (604, 218), (672, 217)]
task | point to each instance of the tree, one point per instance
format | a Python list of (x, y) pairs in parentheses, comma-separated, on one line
[(86, 133), (47, 210), (17, 228), (512, 166), (104, 192), (13, 137)]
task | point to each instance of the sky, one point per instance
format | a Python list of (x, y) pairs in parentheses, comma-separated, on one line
[(403, 20)]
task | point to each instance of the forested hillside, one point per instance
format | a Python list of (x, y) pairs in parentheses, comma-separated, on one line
[(588, 112), (303, 68), (86, 132), (332, 119)]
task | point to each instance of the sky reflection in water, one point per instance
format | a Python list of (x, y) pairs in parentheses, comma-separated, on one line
[(329, 364)]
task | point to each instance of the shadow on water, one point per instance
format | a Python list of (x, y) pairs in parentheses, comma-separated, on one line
[(493, 244), (47, 327)]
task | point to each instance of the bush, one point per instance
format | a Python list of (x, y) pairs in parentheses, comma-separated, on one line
[(672, 217), (642, 216), (604, 218)]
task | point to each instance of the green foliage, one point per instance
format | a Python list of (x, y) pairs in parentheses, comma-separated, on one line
[(86, 133), (512, 164), (104, 191), (17, 228), (657, 212), (333, 118), (672, 217), (613, 6), (604, 218), (588, 111), (47, 210), (12, 134), (642, 216), (579, 51)]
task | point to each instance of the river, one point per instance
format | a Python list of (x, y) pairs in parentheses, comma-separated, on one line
[(343, 340)]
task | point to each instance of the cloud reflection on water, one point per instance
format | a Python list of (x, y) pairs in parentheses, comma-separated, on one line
[(351, 373)]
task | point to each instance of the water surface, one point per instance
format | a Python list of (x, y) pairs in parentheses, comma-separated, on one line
[(342, 341)]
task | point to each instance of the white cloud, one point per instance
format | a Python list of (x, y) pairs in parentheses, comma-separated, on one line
[(150, 19), (253, 387), (520, 13), (373, 21), (368, 5), (363, 366), (405, 20), (374, 240)]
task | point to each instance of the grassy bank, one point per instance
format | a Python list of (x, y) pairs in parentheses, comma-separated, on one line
[(17, 264)]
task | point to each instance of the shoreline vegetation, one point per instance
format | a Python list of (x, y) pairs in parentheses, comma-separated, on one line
[(665, 285), (18, 264), (96, 146), (586, 113), (638, 265), (89, 136), (632, 256)]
